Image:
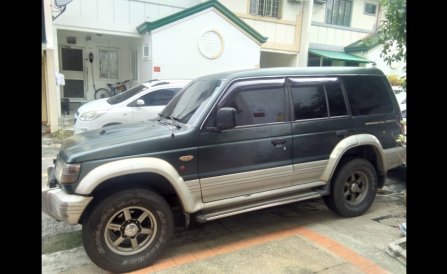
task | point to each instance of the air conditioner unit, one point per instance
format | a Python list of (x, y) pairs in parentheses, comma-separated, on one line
[(321, 2)]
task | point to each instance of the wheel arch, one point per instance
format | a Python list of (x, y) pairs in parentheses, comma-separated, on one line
[(365, 146), (151, 173)]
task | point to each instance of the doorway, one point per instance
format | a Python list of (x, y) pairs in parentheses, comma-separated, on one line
[(72, 67)]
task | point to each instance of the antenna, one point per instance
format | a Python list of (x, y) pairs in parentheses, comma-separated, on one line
[(59, 6)]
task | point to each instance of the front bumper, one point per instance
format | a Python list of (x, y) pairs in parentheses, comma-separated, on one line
[(62, 206)]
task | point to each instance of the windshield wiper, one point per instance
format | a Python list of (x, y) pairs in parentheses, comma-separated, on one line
[(162, 116), (174, 121)]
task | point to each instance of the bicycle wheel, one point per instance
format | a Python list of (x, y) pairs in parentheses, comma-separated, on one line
[(102, 93)]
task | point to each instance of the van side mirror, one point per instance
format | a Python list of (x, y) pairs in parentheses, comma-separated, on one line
[(140, 103), (226, 118)]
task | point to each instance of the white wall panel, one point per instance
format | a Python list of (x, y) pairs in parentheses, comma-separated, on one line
[(175, 48)]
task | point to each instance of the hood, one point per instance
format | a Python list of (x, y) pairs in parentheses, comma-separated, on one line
[(95, 105), (123, 140)]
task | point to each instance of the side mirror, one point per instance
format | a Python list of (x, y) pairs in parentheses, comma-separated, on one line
[(140, 102), (226, 118)]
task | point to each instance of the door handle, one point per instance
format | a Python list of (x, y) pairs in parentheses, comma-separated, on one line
[(279, 142), (342, 133)]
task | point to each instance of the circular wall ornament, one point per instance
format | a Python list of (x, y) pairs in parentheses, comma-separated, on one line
[(211, 44)]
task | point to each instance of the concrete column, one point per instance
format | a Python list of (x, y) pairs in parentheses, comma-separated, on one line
[(51, 93), (305, 33)]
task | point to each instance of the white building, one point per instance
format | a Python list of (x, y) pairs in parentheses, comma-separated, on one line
[(95, 42)]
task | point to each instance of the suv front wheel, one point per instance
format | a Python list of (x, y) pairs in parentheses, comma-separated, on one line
[(127, 230), (354, 188)]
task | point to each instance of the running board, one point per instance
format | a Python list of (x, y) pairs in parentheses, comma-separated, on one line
[(217, 214)]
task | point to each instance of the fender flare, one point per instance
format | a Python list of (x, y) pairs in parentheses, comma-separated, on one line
[(137, 165), (350, 142)]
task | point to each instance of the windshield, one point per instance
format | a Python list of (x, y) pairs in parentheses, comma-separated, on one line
[(190, 102), (121, 97)]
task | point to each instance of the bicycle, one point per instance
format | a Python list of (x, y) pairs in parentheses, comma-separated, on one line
[(114, 89)]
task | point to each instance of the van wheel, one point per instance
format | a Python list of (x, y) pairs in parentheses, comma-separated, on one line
[(354, 188), (127, 230)]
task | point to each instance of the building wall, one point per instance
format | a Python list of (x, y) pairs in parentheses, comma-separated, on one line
[(118, 16), (239, 6), (396, 68), (341, 36), (124, 45), (283, 34), (271, 59), (175, 47)]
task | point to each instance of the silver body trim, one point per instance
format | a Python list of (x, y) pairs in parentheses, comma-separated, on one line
[(62, 206), (237, 184), (394, 157), (260, 195), (350, 142), (256, 206), (308, 172)]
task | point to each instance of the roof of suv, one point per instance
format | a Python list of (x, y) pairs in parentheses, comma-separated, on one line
[(287, 71)]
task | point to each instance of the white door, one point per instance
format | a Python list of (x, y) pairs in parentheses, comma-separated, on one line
[(72, 67)]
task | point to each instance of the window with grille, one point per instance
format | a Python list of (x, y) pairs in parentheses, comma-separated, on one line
[(108, 63), (338, 12), (271, 8), (370, 9)]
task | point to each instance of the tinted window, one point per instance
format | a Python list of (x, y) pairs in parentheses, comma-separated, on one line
[(158, 97), (367, 95), (337, 106), (258, 106), (121, 97), (192, 99), (309, 102)]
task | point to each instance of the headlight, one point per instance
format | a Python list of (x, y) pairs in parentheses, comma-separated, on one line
[(67, 173), (91, 115)]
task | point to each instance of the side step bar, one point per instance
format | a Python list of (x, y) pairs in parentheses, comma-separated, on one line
[(216, 214)]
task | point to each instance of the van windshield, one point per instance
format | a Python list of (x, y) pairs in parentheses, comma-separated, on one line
[(187, 106), (121, 97)]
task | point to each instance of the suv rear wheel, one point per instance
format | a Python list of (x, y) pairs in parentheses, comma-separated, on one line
[(127, 230), (354, 188)]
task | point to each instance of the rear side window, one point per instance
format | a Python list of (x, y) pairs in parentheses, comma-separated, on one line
[(337, 105), (258, 106), (367, 95), (309, 102)]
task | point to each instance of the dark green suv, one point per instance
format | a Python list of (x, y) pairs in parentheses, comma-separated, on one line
[(228, 143)]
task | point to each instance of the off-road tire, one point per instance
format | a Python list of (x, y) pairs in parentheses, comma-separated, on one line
[(130, 215), (353, 189)]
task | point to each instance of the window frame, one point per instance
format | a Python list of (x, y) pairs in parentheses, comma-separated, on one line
[(254, 8), (107, 66), (329, 12), (367, 13), (323, 82), (210, 121)]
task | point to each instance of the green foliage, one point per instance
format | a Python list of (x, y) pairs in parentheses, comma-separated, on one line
[(394, 31)]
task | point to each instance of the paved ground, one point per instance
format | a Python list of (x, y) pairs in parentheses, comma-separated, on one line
[(304, 237)]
